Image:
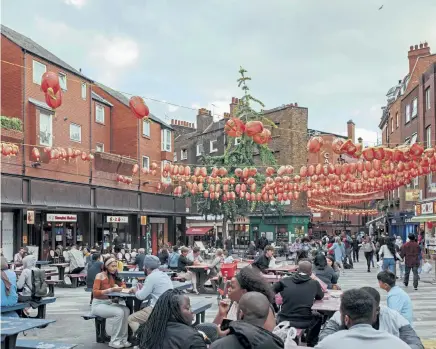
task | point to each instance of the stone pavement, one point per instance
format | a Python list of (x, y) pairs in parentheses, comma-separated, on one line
[(72, 303)]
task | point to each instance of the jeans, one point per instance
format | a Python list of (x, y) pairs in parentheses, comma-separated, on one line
[(77, 270), (355, 255), (349, 252), (368, 256), (415, 276), (389, 263)]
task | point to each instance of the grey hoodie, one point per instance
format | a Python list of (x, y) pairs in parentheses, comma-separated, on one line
[(25, 280)]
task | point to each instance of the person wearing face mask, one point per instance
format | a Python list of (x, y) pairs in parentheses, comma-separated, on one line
[(358, 310), (262, 262), (386, 320)]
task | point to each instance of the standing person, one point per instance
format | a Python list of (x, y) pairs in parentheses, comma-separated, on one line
[(357, 314), (339, 252), (368, 249), (397, 298), (76, 260), (229, 245), (410, 251), (389, 255), (18, 258), (169, 325), (219, 243), (251, 252), (155, 284), (173, 259), (356, 246), (107, 282), (262, 242), (262, 262), (347, 241)]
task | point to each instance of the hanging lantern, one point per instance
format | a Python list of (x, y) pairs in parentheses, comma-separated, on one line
[(348, 147), (90, 157), (70, 153), (416, 149), (270, 171), (128, 180), (84, 156), (234, 127), (138, 107), (120, 178), (262, 138), (253, 128), (336, 145), (135, 169), (54, 100), (50, 83), (368, 154), (35, 154), (314, 144)]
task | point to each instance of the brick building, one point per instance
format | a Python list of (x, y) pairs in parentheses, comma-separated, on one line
[(407, 118), (71, 200)]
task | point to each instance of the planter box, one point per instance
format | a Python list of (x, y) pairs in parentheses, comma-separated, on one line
[(166, 155), (113, 163), (13, 136), (126, 165)]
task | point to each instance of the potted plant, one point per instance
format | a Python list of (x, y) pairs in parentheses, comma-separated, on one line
[(11, 129)]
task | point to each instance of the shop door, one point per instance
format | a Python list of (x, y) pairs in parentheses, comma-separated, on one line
[(7, 238)]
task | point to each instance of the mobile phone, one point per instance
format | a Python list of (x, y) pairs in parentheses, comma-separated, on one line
[(225, 324)]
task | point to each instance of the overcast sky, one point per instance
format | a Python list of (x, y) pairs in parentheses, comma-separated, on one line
[(336, 57)]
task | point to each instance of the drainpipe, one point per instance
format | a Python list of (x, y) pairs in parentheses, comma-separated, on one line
[(139, 154), (110, 129), (23, 171), (90, 132)]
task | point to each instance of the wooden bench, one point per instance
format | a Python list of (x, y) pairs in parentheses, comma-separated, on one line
[(74, 279), (38, 344), (51, 284), (19, 307), (199, 309)]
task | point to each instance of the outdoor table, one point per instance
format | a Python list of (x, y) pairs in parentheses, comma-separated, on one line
[(41, 263), (200, 270), (328, 305), (283, 268), (271, 278), (131, 274), (11, 327), (61, 269)]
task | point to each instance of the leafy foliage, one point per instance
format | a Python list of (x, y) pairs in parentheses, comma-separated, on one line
[(11, 123)]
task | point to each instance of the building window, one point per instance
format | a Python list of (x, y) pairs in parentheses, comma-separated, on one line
[(84, 91), (175, 156), (213, 148), (430, 180), (392, 124), (99, 113), (75, 132), (415, 182), (38, 70), (145, 128), (166, 139), (146, 162), (99, 147), (427, 98), (428, 136), (45, 129), (200, 149), (407, 113), (414, 107), (237, 140), (397, 120), (63, 81), (414, 138), (183, 154)]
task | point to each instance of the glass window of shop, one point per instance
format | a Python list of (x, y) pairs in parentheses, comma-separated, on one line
[(106, 226), (240, 234)]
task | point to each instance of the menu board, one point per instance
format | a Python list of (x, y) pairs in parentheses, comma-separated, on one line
[(282, 237)]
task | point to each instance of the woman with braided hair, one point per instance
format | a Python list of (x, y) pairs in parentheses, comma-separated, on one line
[(169, 324)]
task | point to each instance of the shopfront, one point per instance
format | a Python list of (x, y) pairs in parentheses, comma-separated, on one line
[(401, 224), (239, 232), (425, 215), (277, 229)]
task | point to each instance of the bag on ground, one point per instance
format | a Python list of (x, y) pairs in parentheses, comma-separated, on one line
[(426, 268), (286, 333)]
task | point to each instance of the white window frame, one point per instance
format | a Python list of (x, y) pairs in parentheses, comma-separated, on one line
[(166, 139), (84, 90), (415, 107), (175, 156), (72, 126), (200, 149), (183, 154), (37, 79), (48, 130), (392, 125), (415, 182), (413, 138), (428, 141), (397, 120), (427, 99), (97, 108), (212, 146), (62, 75), (407, 113), (237, 140), (101, 145), (148, 162), (146, 125)]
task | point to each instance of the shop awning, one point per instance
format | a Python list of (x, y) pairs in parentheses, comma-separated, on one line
[(198, 230), (375, 220), (423, 219)]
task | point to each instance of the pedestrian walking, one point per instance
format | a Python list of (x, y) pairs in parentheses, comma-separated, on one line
[(368, 249), (356, 246), (339, 252), (410, 251)]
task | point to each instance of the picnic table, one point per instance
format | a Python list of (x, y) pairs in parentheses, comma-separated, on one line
[(283, 269), (61, 269), (11, 327), (200, 270), (328, 305), (38, 264)]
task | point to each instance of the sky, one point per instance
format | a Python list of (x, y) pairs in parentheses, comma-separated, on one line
[(338, 58)]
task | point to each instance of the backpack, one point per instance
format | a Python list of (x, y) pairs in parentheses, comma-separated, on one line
[(39, 286), (173, 261)]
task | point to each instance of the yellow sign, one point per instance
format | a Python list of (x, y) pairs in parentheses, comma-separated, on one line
[(143, 220), (24, 239), (413, 195)]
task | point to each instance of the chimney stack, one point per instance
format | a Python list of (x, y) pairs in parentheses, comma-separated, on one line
[(351, 130), (415, 52), (235, 102)]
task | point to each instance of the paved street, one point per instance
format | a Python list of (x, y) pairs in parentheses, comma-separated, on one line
[(72, 303)]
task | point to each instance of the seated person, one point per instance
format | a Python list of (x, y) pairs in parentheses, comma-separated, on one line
[(169, 324), (18, 258), (324, 272), (386, 319), (76, 260), (227, 259), (249, 329), (139, 259), (117, 314), (251, 252), (24, 283), (163, 256), (95, 267), (247, 280), (262, 262), (156, 283), (357, 314), (299, 292), (184, 272), (397, 299), (331, 263), (194, 256), (8, 286), (173, 259), (215, 265)]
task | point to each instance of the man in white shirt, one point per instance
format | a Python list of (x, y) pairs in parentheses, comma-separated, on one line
[(76, 260), (156, 283), (194, 256)]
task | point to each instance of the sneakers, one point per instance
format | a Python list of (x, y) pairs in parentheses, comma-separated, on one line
[(116, 345), (127, 344), (416, 288)]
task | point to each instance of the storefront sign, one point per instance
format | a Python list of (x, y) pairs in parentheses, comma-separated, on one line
[(24, 239), (427, 208), (117, 219), (30, 217), (417, 210), (413, 195), (53, 217), (157, 220), (143, 220)]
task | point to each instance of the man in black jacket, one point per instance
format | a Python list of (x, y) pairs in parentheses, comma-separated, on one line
[(248, 331), (299, 292), (262, 242), (262, 262)]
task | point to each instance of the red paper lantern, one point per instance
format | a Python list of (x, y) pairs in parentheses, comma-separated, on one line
[(90, 157), (263, 138), (314, 144), (336, 145), (35, 154), (138, 107), (234, 127), (253, 128), (54, 100), (84, 156), (50, 83)]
